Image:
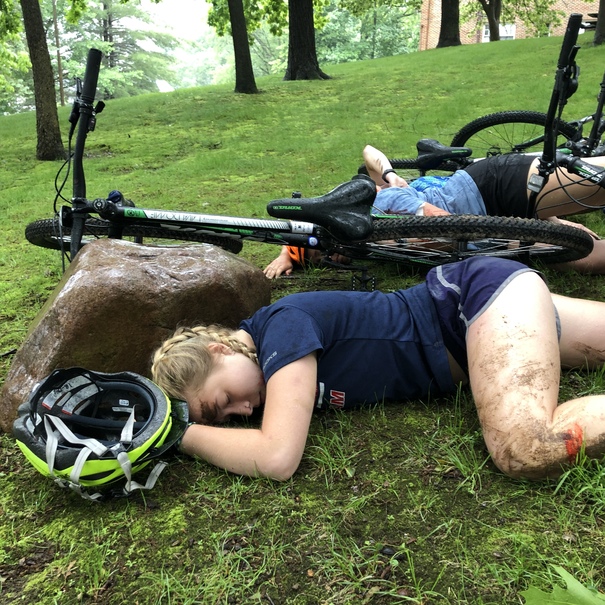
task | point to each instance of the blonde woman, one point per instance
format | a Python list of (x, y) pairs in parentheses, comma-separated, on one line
[(489, 323)]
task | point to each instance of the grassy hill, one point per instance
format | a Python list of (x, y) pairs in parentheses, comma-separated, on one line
[(397, 505)]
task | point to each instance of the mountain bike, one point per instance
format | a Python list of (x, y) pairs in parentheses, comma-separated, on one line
[(340, 221), (524, 131), (556, 143)]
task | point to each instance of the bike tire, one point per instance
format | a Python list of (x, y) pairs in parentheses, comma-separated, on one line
[(432, 241), (509, 132), (48, 233)]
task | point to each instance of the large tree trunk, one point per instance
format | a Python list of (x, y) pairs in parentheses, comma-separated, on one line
[(599, 34), (302, 54), (449, 34), (492, 10), (244, 74), (50, 145)]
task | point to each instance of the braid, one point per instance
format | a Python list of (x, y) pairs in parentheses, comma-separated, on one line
[(226, 337), (184, 361)]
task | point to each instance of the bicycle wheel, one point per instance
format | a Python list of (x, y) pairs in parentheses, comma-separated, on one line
[(432, 241), (47, 233), (509, 132)]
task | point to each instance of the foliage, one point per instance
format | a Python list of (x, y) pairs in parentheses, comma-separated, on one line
[(344, 36), (538, 16), (273, 12), (135, 57), (10, 18), (360, 8), (381, 32), (574, 594), (14, 72)]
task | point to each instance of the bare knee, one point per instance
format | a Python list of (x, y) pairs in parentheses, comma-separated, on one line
[(534, 454)]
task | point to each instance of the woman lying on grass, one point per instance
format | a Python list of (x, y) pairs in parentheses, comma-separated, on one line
[(494, 186), (488, 322)]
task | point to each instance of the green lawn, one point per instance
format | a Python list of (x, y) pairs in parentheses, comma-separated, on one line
[(391, 504)]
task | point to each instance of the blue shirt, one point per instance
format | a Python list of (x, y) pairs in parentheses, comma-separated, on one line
[(458, 195), (370, 346)]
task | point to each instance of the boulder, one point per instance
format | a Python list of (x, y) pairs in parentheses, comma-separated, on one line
[(118, 301)]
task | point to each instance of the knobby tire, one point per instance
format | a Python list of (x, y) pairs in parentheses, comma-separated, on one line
[(506, 132), (47, 233), (451, 238)]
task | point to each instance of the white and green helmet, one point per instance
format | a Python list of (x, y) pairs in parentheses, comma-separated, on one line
[(90, 429)]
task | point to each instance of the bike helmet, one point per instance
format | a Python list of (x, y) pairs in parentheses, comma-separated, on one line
[(90, 429)]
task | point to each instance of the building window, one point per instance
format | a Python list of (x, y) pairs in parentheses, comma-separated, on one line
[(507, 32)]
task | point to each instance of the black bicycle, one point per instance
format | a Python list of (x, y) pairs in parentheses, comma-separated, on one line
[(341, 221), (520, 131)]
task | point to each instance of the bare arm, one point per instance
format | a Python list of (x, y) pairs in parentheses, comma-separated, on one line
[(276, 448), (377, 163)]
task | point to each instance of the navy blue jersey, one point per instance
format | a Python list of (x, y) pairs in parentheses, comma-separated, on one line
[(370, 346)]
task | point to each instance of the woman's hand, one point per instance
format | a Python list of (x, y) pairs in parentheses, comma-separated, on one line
[(430, 210), (282, 264)]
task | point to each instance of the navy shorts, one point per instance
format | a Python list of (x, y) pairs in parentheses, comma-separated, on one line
[(463, 291), (502, 183)]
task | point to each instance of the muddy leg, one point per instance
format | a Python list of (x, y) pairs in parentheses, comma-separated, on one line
[(514, 370)]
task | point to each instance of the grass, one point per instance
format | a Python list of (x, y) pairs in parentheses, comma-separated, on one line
[(391, 504)]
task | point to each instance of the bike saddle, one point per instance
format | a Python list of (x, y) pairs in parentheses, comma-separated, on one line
[(345, 211), (431, 153)]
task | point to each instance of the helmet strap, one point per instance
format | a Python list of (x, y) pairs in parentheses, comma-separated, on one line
[(90, 446)]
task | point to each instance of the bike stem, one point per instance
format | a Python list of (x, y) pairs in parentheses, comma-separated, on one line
[(566, 83)]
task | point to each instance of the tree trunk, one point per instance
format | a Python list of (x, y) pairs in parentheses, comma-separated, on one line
[(244, 74), (449, 34), (50, 145), (492, 10), (302, 54), (599, 34)]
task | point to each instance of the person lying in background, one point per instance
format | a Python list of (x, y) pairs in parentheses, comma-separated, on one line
[(495, 186)]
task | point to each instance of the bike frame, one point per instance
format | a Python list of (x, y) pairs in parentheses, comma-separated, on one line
[(270, 231), (339, 221)]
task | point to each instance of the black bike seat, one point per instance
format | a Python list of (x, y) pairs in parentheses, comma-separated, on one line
[(345, 211), (432, 153)]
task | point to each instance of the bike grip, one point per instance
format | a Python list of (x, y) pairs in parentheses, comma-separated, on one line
[(570, 38), (91, 75)]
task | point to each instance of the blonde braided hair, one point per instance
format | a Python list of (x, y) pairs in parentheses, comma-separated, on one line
[(184, 361)]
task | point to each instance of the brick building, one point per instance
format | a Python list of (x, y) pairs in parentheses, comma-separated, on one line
[(477, 30)]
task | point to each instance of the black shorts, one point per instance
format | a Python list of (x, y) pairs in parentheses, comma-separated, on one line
[(502, 182)]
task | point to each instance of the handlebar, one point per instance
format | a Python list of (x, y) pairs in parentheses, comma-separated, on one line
[(590, 172), (569, 39), (91, 75), (86, 120)]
